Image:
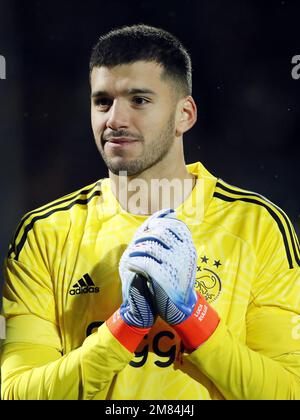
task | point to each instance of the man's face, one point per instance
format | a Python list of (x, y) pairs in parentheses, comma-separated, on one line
[(133, 115)]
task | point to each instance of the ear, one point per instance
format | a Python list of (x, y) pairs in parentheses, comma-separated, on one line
[(186, 115)]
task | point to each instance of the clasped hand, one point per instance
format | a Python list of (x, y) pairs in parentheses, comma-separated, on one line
[(158, 271)]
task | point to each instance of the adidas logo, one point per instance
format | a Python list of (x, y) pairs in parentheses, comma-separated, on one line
[(84, 285)]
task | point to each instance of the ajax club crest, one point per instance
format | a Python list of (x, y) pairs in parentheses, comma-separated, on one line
[(208, 282)]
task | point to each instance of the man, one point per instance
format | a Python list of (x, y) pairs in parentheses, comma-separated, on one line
[(203, 304)]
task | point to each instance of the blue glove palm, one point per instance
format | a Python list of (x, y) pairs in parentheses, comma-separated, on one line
[(172, 312), (138, 309)]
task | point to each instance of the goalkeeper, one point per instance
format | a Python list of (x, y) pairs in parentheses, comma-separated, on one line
[(110, 294)]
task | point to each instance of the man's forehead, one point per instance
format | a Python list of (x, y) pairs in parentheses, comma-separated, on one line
[(127, 76)]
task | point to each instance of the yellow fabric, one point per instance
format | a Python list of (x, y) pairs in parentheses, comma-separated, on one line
[(58, 346)]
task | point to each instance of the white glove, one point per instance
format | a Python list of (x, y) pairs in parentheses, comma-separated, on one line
[(162, 251)]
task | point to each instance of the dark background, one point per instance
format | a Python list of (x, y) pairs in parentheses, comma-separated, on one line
[(248, 103)]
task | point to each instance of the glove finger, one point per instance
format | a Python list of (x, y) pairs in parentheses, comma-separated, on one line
[(153, 248), (180, 260), (152, 238), (126, 277), (165, 213), (159, 272), (166, 236), (160, 215), (148, 249), (149, 266), (178, 229), (139, 310), (166, 308), (141, 262), (177, 281)]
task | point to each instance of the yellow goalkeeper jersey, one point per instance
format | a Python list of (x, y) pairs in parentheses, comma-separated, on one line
[(62, 284)]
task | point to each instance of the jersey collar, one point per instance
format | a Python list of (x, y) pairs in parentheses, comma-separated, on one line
[(193, 208)]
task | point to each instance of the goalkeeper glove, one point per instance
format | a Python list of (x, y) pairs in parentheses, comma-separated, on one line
[(163, 251), (136, 315)]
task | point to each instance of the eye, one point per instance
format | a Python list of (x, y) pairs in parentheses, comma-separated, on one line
[(102, 103), (139, 100)]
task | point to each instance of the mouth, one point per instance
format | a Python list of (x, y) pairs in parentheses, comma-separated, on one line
[(120, 141)]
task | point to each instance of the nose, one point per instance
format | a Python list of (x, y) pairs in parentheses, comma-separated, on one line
[(118, 115)]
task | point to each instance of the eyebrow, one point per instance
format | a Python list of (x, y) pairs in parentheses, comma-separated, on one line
[(133, 91)]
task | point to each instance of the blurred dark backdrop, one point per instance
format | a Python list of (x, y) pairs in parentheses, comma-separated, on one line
[(248, 103)]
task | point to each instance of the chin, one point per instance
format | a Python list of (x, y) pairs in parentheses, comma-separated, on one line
[(131, 168), (125, 171)]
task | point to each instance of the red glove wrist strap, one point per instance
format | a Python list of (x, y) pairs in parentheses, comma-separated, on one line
[(129, 336), (199, 326)]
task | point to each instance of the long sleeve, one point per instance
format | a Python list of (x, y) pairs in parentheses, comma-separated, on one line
[(266, 364), (59, 290), (33, 371), (244, 374), (34, 363)]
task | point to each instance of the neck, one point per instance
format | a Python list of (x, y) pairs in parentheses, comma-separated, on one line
[(164, 185)]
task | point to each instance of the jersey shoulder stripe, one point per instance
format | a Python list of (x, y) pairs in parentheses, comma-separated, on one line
[(64, 199), (280, 212), (80, 197), (231, 193)]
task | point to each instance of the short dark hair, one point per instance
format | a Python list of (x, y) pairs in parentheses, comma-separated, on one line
[(129, 44)]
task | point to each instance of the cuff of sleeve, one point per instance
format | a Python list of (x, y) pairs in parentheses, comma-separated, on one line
[(199, 326), (129, 336)]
